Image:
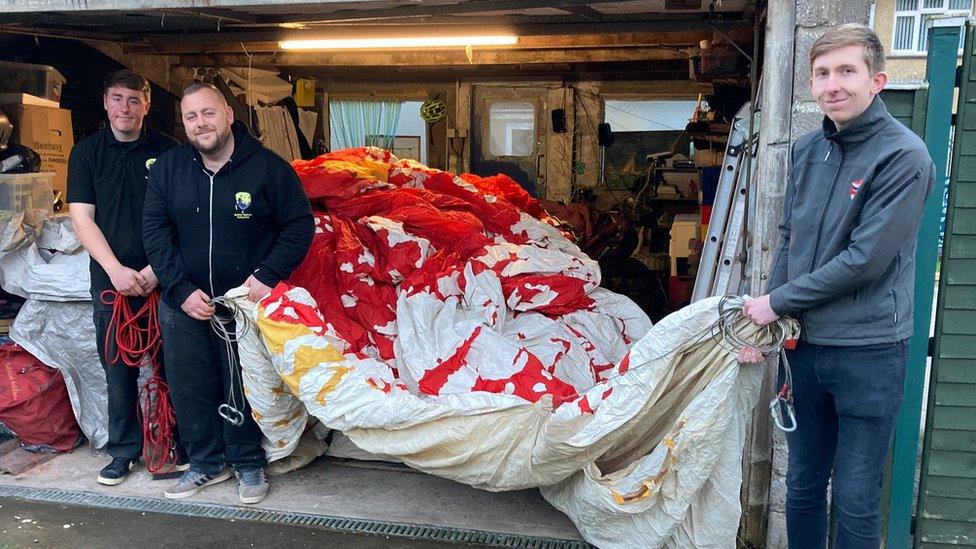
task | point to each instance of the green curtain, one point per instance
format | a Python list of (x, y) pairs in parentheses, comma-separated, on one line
[(362, 123)]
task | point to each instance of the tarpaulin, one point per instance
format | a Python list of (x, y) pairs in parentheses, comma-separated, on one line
[(43, 261)]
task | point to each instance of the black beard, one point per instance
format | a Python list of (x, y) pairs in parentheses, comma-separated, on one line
[(222, 139)]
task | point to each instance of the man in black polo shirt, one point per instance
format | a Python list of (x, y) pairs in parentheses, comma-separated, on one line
[(107, 175)]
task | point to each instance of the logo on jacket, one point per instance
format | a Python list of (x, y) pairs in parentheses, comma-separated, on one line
[(855, 185), (149, 163), (242, 201)]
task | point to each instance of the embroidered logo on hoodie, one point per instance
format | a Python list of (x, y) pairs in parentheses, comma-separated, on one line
[(242, 201), (855, 185)]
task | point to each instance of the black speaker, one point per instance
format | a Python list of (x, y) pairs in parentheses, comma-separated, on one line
[(558, 120), (604, 136)]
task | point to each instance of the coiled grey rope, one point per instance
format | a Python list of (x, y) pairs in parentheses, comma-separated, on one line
[(232, 410)]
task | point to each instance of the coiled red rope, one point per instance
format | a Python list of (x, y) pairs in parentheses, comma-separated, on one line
[(138, 341)]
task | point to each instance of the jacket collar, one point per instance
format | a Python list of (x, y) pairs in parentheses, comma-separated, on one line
[(864, 126), (141, 140)]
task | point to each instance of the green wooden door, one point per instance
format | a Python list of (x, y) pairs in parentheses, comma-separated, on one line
[(946, 514)]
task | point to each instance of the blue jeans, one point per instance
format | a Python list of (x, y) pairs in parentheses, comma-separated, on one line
[(847, 401)]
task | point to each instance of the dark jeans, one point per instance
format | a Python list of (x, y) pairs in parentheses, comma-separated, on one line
[(199, 382), (847, 401)]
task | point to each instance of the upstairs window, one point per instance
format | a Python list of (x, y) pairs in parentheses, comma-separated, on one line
[(914, 18)]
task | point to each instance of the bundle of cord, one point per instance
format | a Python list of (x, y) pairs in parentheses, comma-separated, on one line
[(137, 341)]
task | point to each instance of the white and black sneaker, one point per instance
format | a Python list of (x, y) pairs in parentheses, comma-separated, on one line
[(115, 472), (252, 486), (192, 481)]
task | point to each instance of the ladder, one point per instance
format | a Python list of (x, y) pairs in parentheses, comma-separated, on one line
[(723, 258)]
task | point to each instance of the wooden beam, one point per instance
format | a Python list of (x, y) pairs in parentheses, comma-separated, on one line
[(220, 14), (772, 173), (438, 58), (631, 39), (585, 12), (739, 31), (428, 10)]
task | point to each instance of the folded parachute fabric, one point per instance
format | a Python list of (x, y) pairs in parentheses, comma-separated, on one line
[(444, 321), (648, 457)]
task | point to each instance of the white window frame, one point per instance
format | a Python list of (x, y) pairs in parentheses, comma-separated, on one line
[(919, 15)]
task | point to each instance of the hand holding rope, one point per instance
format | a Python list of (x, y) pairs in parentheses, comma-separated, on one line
[(136, 339), (730, 312)]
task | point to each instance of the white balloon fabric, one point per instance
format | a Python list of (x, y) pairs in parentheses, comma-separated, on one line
[(647, 457)]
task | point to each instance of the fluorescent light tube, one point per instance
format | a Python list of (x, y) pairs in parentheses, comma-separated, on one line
[(402, 42)]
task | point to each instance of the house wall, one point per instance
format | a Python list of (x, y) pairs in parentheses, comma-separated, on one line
[(900, 68)]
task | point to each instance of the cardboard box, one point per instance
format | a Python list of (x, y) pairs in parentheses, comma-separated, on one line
[(683, 232), (47, 131), (27, 99)]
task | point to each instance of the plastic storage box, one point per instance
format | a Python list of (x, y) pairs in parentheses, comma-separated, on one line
[(26, 191), (40, 80)]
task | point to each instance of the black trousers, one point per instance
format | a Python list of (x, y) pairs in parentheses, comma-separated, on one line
[(199, 382), (124, 426)]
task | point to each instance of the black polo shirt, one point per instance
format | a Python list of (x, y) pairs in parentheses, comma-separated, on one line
[(112, 176)]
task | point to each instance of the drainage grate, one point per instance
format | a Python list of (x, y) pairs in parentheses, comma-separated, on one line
[(338, 524)]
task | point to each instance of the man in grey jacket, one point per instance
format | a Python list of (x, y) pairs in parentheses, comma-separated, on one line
[(845, 268)]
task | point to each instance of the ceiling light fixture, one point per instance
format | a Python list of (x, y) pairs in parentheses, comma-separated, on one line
[(398, 43)]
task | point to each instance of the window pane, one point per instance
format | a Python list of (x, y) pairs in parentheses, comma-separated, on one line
[(933, 4), (906, 5), (923, 33), (960, 4), (511, 129), (647, 115), (904, 33)]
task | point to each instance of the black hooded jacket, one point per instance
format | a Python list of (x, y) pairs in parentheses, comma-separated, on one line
[(210, 231)]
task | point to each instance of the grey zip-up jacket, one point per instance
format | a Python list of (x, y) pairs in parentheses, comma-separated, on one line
[(845, 265)]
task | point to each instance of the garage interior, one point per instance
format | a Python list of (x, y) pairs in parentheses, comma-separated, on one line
[(615, 113), (638, 71)]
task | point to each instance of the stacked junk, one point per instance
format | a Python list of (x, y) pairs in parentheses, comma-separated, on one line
[(445, 322)]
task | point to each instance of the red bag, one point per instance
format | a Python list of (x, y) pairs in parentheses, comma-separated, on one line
[(34, 401)]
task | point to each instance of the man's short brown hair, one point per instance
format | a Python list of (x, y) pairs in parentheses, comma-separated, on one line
[(128, 79), (197, 86), (851, 35)]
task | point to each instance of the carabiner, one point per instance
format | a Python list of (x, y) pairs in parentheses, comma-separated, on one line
[(777, 419), (231, 415)]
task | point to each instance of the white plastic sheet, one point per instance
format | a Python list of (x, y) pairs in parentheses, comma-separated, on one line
[(45, 263)]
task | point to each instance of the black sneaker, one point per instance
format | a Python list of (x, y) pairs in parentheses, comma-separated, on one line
[(115, 472)]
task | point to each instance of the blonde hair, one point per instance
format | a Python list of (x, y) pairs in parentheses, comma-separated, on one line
[(851, 34)]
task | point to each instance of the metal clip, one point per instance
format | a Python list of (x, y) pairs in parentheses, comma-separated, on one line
[(777, 416), (231, 415)]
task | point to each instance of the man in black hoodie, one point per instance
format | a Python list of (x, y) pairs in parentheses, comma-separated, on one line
[(221, 211)]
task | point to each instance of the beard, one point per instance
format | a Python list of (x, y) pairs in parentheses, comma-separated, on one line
[(221, 139)]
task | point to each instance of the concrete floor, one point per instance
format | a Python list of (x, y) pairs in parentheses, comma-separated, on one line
[(26, 524), (337, 488)]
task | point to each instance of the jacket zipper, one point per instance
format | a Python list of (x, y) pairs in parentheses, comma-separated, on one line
[(210, 243), (830, 199), (894, 298)]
